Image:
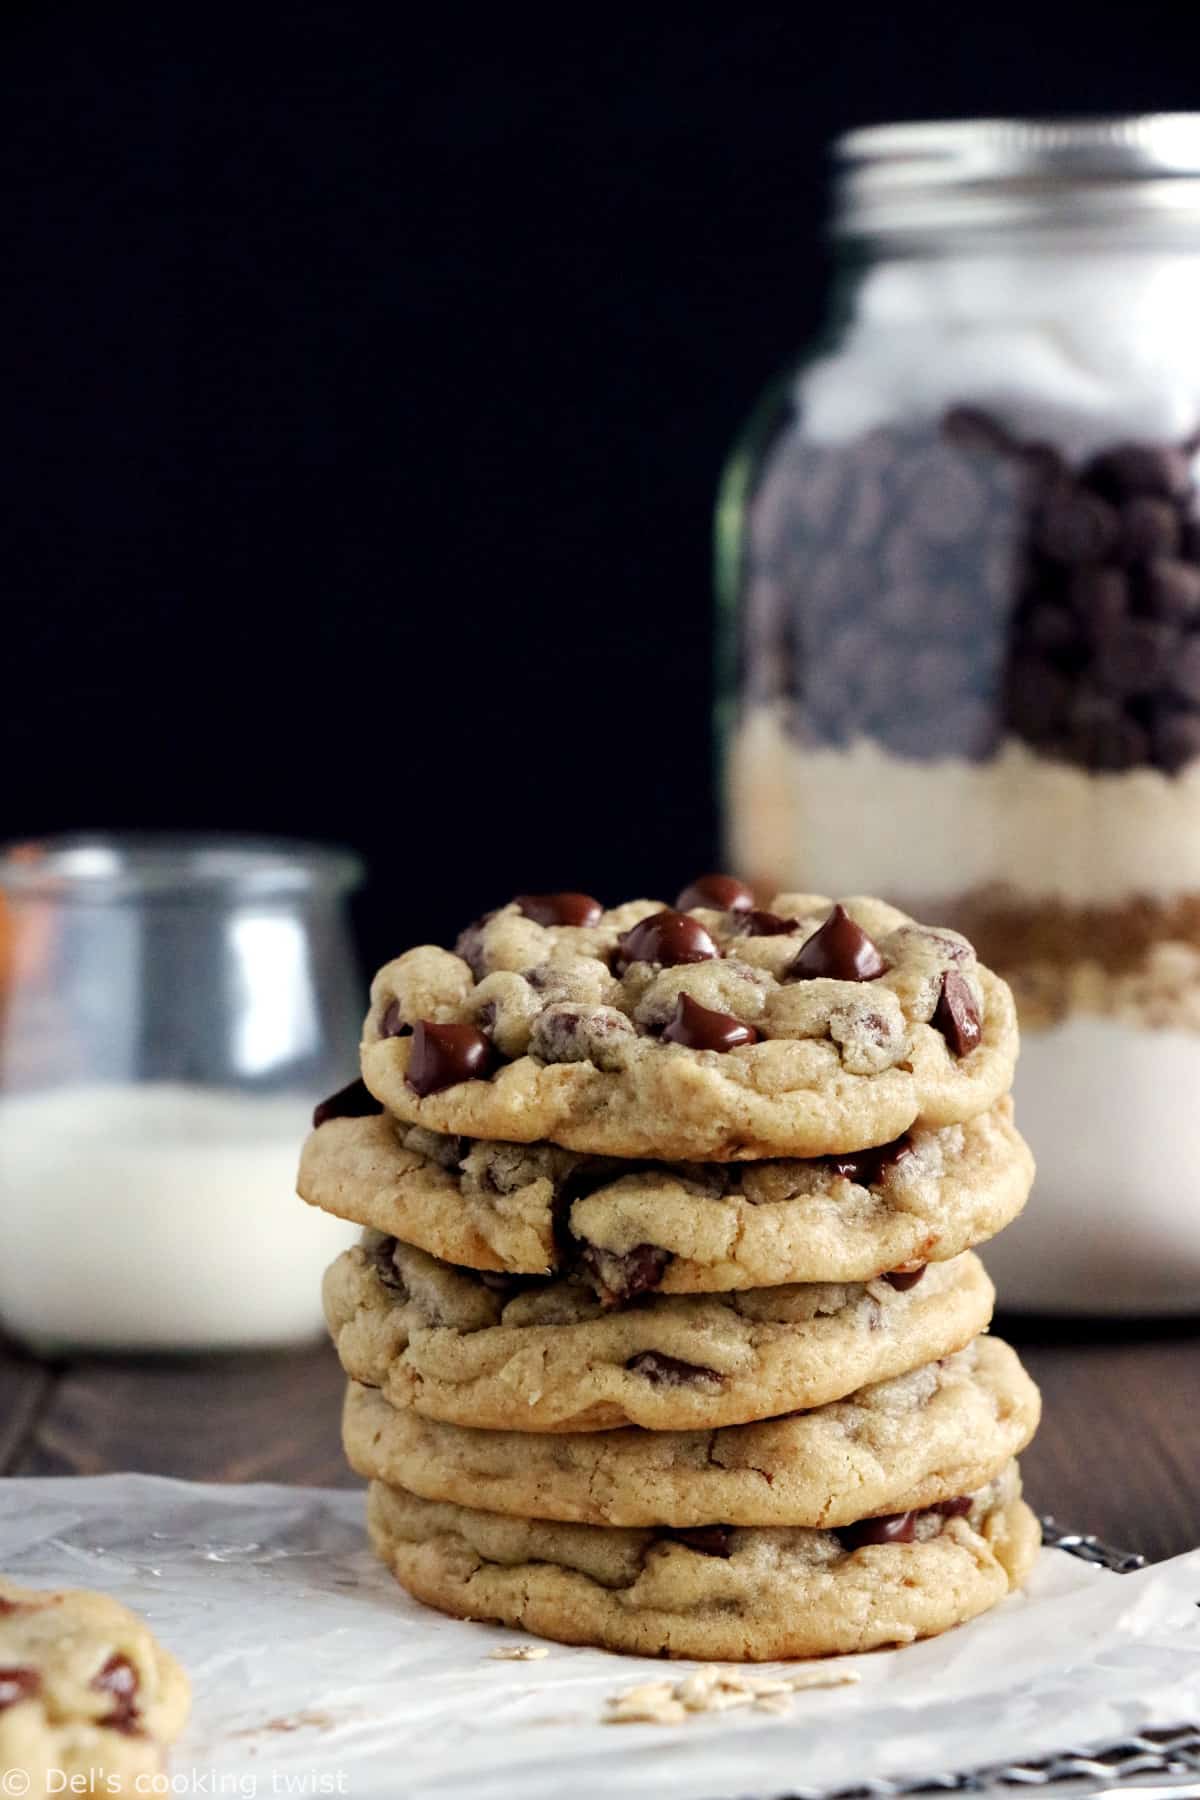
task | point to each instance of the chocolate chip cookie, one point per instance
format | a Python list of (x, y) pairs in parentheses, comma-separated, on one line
[(730, 1593), (694, 1032), (87, 1697), (518, 1354), (942, 1430), (682, 1228)]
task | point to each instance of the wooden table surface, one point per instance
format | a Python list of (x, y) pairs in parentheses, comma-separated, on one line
[(1118, 1453)]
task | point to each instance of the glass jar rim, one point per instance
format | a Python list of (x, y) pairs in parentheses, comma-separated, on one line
[(103, 866)]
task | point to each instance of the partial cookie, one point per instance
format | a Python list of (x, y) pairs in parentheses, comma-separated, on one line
[(734, 1595), (85, 1692), (702, 1035), (945, 1429), (680, 1229), (517, 1355)]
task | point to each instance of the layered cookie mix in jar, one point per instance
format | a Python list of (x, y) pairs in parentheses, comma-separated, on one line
[(959, 570)]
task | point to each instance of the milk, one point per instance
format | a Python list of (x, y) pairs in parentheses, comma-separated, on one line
[(158, 1217)]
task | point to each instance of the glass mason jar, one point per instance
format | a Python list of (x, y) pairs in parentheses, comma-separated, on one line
[(169, 1011), (959, 583)]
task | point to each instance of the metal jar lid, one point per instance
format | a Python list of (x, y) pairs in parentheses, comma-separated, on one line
[(1138, 175)]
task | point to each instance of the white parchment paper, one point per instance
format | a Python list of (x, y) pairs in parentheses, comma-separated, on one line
[(313, 1673)]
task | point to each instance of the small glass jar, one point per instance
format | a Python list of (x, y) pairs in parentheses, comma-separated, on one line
[(959, 576), (169, 1011)]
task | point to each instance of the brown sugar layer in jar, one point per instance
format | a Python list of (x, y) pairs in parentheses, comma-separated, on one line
[(1138, 961), (939, 591)]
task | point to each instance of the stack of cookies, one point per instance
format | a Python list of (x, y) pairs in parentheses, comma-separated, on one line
[(665, 1332)]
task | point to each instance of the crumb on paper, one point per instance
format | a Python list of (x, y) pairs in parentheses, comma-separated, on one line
[(711, 1689), (301, 1721), (518, 1652)]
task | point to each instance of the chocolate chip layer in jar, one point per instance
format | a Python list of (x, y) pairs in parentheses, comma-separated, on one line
[(960, 575)]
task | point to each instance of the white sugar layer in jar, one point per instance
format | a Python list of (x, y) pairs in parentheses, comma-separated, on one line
[(158, 1217), (860, 820), (1082, 348), (1113, 1226)]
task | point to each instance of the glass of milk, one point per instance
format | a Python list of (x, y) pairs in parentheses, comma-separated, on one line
[(170, 1009)]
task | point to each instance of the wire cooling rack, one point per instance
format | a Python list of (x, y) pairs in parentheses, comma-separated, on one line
[(1163, 1764)]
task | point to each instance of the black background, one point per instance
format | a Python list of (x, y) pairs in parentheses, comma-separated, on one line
[(368, 380)]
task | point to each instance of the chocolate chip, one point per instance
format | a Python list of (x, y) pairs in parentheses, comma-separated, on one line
[(698, 1027), (1100, 597), (392, 1022), (888, 1528), (1184, 675), (444, 1055), (669, 1371), (119, 1679), (667, 938), (956, 1015), (619, 1277), (867, 1167), (354, 1101), (560, 909), (569, 1032), (1176, 741), (841, 950), (706, 1540), (720, 893), (1149, 528), (1171, 589), (1039, 697), (382, 1257), (469, 945), (1133, 656), (954, 1509), (1077, 527), (18, 1684), (1101, 735), (1130, 469), (1053, 630), (754, 923), (903, 1279)]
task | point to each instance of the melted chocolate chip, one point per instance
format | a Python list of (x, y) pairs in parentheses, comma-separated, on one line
[(667, 938), (754, 923), (720, 893), (354, 1101), (697, 1027), (670, 1371), (903, 1279), (889, 1528), (956, 1016), (119, 1678), (841, 950), (443, 1055), (899, 1528), (618, 1277), (867, 1167), (954, 1509), (706, 1540), (392, 1022), (18, 1684), (560, 909)]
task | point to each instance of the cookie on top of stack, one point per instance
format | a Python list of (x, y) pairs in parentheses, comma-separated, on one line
[(665, 1332)]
